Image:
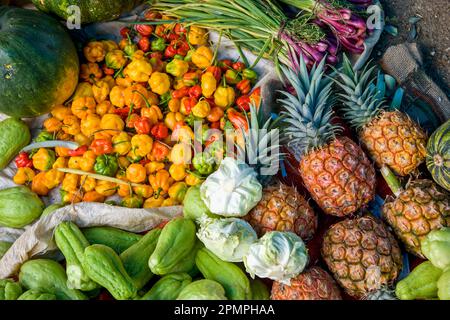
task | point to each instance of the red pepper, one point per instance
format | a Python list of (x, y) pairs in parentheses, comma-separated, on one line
[(125, 32), (180, 93), (77, 152), (142, 125), (256, 96), (172, 36), (211, 102), (244, 86), (190, 78), (179, 29), (190, 103), (225, 64), (243, 102), (216, 71), (237, 119), (170, 52), (159, 30), (144, 30), (23, 161), (183, 48), (144, 161), (156, 55), (215, 125), (101, 146), (160, 131), (108, 71), (152, 15), (195, 91), (123, 112), (239, 66), (144, 44), (131, 120)]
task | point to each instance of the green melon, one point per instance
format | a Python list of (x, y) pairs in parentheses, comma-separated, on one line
[(91, 10), (438, 155), (39, 65)]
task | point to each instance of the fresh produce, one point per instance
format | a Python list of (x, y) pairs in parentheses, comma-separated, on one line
[(51, 208), (9, 290), (282, 208), (135, 258), (44, 77), (104, 266), (72, 243), (417, 210), (228, 238), (173, 248), (4, 246), (312, 284), (204, 289), (230, 276), (35, 295), (443, 285), (118, 240), (15, 135), (259, 290), (277, 255), (421, 283), (233, 190), (390, 136), (362, 255), (436, 247), (193, 206), (168, 287), (48, 276), (438, 155), (336, 172), (19, 207), (90, 10)]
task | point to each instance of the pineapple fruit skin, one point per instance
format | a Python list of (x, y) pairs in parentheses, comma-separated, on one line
[(393, 139), (362, 255), (420, 208), (282, 208), (339, 177), (312, 284)]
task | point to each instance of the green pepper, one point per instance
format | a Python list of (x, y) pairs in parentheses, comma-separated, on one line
[(106, 165), (188, 56), (44, 136), (190, 120), (249, 74), (133, 201), (178, 57), (203, 163), (232, 77), (177, 67), (158, 44), (130, 49)]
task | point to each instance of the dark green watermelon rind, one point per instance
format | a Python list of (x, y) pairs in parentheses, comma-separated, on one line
[(38, 63), (439, 143)]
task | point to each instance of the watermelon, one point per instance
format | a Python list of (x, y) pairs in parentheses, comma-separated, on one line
[(91, 10), (438, 155), (39, 64)]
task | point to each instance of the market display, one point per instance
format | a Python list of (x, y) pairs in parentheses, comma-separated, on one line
[(163, 118)]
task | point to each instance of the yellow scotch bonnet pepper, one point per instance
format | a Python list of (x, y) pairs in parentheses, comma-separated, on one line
[(178, 190), (101, 91), (209, 84), (202, 57), (90, 125), (153, 114), (112, 124), (177, 67), (38, 184), (115, 59), (43, 159), (106, 188), (159, 83), (121, 143), (117, 96), (109, 45), (177, 172), (94, 51), (141, 145), (24, 175), (224, 96), (181, 154), (201, 109), (197, 36), (153, 202), (160, 182), (139, 70)]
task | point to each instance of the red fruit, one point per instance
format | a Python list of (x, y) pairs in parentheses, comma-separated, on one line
[(144, 30), (144, 44), (125, 32), (239, 66)]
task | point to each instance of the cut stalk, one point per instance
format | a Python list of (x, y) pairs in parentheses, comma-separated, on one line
[(391, 180)]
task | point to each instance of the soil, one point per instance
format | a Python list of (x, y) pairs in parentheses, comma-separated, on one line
[(433, 34)]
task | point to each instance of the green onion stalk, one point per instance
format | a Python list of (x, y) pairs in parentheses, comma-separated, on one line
[(259, 26)]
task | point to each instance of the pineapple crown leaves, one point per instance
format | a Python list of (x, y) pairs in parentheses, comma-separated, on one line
[(307, 116), (261, 143), (362, 100)]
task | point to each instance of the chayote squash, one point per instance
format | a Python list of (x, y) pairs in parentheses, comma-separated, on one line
[(9, 290), (72, 243), (135, 258), (36, 295), (4, 246), (193, 205), (19, 207), (118, 240), (443, 285), (15, 135), (104, 266), (204, 289), (174, 247), (48, 276), (51, 208), (229, 275), (259, 290), (168, 287), (421, 283)]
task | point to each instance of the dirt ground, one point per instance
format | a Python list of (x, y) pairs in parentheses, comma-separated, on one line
[(433, 33)]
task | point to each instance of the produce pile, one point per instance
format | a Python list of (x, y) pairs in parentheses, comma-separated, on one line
[(145, 128)]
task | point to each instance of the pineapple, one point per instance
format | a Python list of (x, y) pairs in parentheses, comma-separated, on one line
[(420, 208), (312, 284), (390, 137), (362, 255), (281, 208), (335, 170)]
